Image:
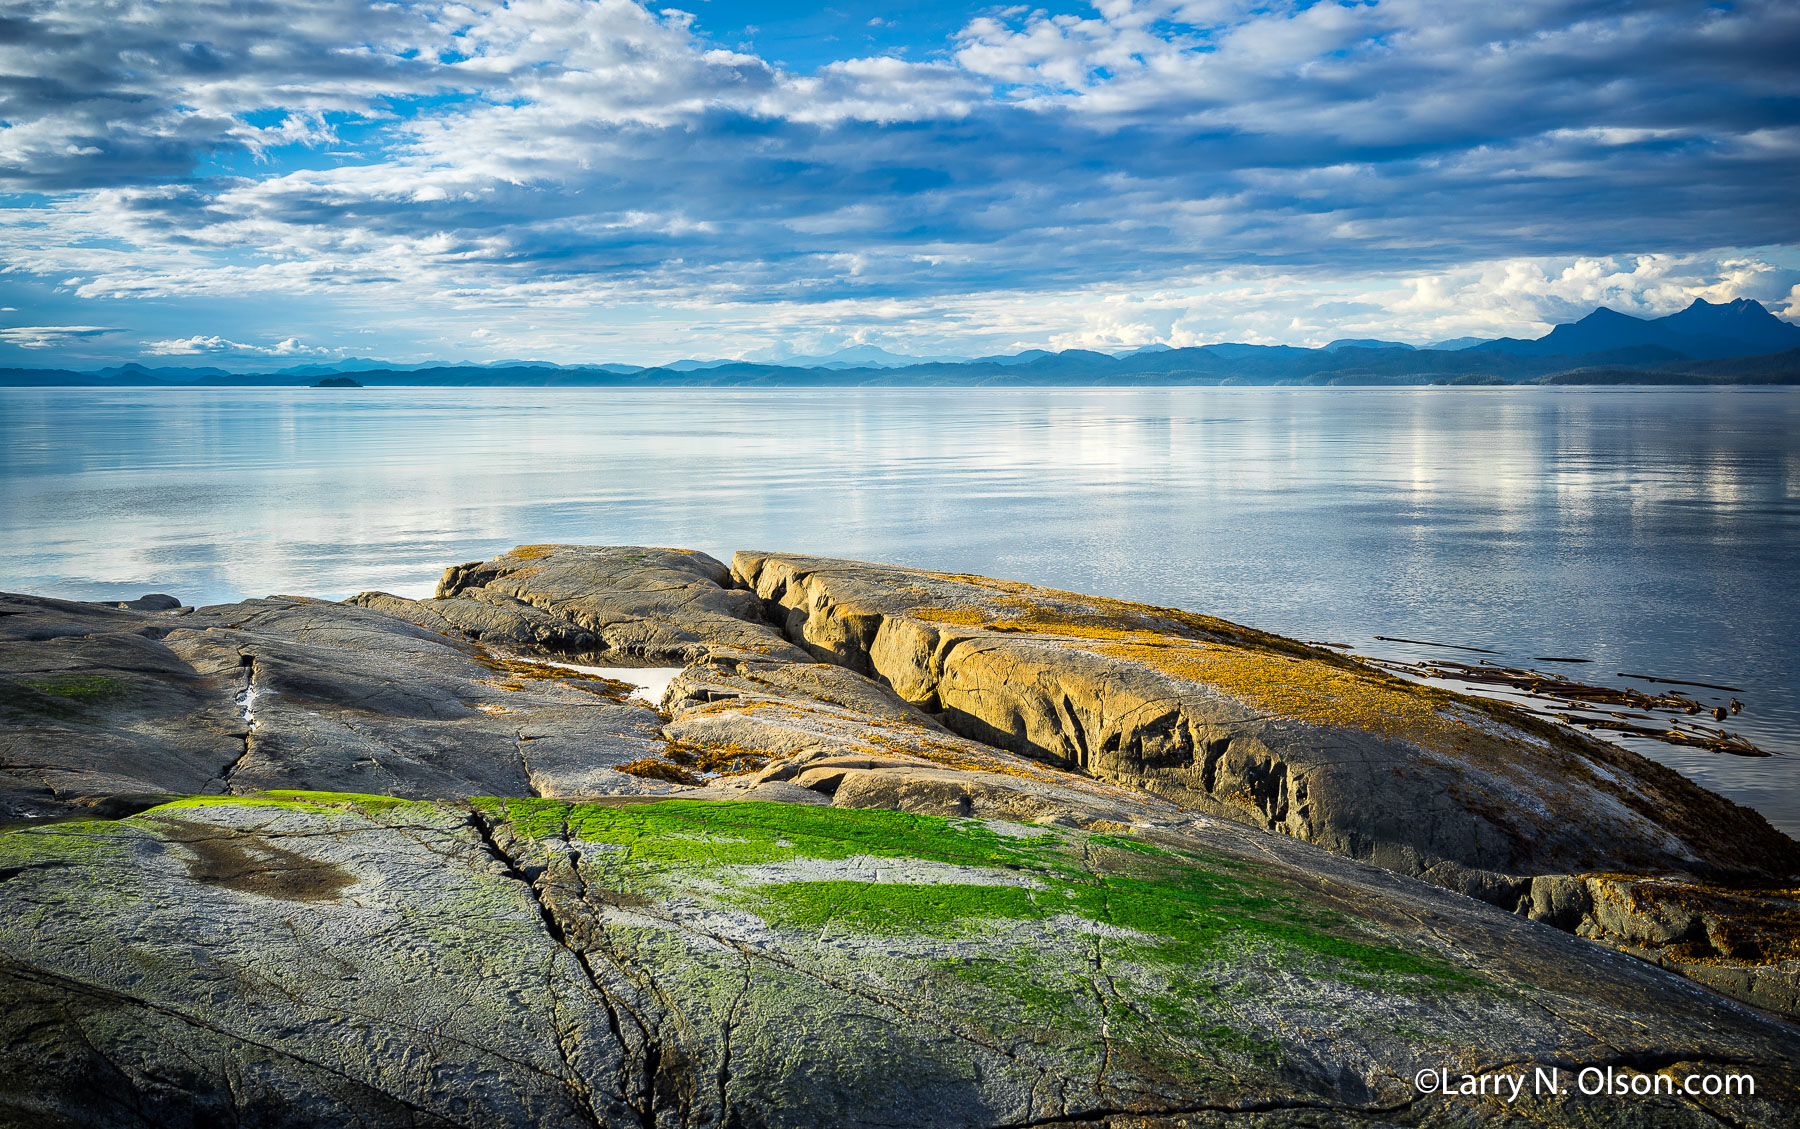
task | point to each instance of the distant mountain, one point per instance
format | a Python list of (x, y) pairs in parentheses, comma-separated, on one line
[(1233, 350), (326, 368), (1458, 343), (515, 363), (164, 372), (1703, 344), (1703, 331), (1744, 321), (865, 356), (1155, 347), (693, 365), (1364, 343), (1024, 358), (351, 364)]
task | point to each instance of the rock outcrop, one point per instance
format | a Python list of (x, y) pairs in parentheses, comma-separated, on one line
[(631, 600), (1466, 793), (108, 707), (328, 959), (1213, 716), (894, 847)]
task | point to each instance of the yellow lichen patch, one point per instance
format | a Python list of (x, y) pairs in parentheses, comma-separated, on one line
[(1748, 926), (740, 705), (964, 616), (524, 669), (1111, 826), (724, 759), (488, 707), (533, 552), (1009, 613), (1052, 609), (993, 584), (1292, 681), (1088, 627), (1302, 689), (682, 763), (649, 768)]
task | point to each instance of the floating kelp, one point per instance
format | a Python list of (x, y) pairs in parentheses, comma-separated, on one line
[(1584, 703), (1428, 643), (1682, 682)]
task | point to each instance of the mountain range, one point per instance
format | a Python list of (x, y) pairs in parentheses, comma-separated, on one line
[(1703, 331), (1738, 342)]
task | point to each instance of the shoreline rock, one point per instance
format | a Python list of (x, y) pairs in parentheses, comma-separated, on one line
[(526, 962), (326, 744)]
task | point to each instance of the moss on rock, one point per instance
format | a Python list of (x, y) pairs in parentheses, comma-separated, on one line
[(77, 687)]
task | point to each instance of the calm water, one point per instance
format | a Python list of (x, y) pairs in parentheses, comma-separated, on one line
[(1652, 531)]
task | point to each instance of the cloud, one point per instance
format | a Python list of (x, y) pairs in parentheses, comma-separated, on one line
[(49, 336), (94, 92), (594, 154), (1525, 297), (1520, 297), (204, 345)]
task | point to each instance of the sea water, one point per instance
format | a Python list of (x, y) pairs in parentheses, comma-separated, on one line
[(1652, 531)]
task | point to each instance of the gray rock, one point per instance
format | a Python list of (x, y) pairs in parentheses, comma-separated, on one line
[(599, 603), (531, 963), (1143, 931), (152, 602), (100, 704)]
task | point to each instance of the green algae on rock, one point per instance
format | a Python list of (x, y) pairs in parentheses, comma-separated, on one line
[(523, 962)]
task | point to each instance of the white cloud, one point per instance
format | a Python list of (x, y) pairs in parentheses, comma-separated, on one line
[(199, 345), (1525, 297), (49, 336), (104, 92)]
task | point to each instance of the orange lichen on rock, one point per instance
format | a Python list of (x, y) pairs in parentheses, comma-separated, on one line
[(1049, 609), (1298, 688), (548, 672), (649, 768), (1713, 925), (1292, 681), (683, 763), (962, 617), (721, 760)]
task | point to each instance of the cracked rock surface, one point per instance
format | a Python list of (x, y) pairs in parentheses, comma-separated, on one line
[(330, 959), (100, 706), (894, 848)]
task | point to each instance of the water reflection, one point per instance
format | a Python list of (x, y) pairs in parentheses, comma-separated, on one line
[(1641, 529)]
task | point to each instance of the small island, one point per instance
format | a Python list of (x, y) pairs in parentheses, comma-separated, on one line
[(338, 382)]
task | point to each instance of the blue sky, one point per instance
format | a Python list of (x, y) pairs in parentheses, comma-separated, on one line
[(253, 184)]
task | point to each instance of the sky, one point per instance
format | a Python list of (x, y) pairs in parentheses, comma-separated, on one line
[(253, 184)]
